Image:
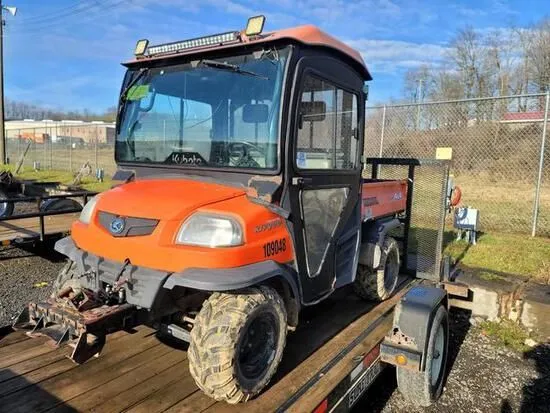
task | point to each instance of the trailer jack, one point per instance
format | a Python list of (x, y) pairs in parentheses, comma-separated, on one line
[(85, 330)]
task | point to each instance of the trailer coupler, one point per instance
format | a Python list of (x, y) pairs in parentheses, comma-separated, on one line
[(85, 331)]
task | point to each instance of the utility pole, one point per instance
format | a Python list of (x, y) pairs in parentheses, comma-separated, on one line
[(11, 10)]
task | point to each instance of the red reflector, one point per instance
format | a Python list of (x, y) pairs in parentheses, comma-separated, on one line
[(372, 356), (322, 408)]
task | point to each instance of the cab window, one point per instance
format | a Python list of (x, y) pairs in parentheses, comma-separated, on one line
[(327, 126)]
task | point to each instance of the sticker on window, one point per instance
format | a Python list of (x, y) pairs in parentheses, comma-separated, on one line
[(137, 92), (301, 159)]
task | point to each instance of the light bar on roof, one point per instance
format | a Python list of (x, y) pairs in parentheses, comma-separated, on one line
[(216, 39)]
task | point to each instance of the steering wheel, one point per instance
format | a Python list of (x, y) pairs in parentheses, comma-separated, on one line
[(244, 160)]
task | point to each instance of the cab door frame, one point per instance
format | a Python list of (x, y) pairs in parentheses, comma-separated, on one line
[(298, 181)]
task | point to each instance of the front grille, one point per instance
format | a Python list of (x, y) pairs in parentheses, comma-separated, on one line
[(131, 226)]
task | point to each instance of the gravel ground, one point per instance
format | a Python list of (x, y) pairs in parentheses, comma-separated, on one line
[(484, 377), (20, 270)]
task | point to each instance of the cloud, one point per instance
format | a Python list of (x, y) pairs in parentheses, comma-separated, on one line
[(390, 56)]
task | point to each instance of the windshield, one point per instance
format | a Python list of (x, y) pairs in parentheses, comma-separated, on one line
[(210, 113)]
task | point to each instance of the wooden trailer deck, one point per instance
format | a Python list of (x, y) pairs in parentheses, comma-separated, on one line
[(29, 228), (140, 373)]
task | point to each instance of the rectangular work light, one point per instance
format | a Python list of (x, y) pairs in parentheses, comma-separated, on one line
[(255, 26), (216, 39), (141, 47)]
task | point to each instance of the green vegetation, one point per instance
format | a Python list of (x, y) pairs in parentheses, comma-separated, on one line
[(89, 183), (506, 253), (506, 333)]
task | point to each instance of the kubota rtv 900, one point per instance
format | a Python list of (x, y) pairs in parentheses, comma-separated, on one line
[(240, 201)]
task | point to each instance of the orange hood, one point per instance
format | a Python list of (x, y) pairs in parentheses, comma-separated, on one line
[(163, 199)]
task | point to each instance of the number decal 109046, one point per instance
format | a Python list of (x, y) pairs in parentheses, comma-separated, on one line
[(274, 247)]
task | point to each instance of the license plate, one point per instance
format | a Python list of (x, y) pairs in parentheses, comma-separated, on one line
[(363, 383)]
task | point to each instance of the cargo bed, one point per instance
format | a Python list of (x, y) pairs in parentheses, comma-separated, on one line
[(323, 360)]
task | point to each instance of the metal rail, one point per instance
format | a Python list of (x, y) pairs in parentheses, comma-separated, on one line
[(42, 214)]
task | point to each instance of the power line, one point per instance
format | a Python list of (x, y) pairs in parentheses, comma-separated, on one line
[(38, 17), (65, 19)]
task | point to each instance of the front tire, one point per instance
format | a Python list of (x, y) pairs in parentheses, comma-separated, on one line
[(379, 284), (237, 342), (424, 388)]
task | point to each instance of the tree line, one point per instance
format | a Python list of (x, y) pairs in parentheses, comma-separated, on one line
[(484, 63), (17, 110)]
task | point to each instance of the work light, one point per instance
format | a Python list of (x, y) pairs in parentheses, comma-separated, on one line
[(141, 47), (216, 39), (255, 25)]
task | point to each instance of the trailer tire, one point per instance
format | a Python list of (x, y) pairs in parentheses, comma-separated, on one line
[(223, 331), (423, 388), (6, 208), (57, 204), (379, 284)]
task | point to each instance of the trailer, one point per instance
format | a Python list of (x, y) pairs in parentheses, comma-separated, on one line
[(34, 211), (337, 352), (141, 372)]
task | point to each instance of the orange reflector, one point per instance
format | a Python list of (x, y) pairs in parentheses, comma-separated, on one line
[(401, 359), (5, 243), (322, 408)]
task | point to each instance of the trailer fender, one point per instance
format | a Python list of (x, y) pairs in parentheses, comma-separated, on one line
[(373, 239), (412, 322)]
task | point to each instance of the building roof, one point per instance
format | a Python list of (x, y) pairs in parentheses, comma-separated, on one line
[(523, 116), (309, 35)]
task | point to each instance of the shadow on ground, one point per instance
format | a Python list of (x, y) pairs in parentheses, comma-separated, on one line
[(536, 393)]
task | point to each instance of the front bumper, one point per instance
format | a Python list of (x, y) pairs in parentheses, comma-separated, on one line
[(144, 284)]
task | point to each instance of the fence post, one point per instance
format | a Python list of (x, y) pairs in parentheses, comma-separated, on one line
[(541, 166), (382, 131), (71, 153), (96, 153)]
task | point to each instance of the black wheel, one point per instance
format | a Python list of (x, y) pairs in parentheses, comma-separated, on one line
[(424, 388), (237, 342), (59, 204), (6, 208), (67, 275), (379, 284)]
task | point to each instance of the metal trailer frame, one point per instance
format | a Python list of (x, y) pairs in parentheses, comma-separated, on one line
[(38, 200)]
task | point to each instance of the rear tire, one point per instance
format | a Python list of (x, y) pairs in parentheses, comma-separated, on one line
[(424, 388), (6, 208), (379, 284), (237, 342)]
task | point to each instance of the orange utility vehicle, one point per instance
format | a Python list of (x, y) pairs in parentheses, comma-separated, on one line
[(241, 200)]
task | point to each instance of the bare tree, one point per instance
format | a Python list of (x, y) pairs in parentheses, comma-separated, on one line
[(538, 54)]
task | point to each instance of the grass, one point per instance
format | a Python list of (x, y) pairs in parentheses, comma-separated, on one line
[(506, 333), (505, 253), (89, 183)]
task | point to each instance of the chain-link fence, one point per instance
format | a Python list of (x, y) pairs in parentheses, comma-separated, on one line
[(63, 147), (500, 153)]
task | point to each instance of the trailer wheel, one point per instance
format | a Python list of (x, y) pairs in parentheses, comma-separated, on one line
[(6, 208), (59, 204), (237, 342), (379, 284), (424, 388)]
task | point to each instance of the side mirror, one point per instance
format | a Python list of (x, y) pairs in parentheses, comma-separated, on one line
[(315, 111), (255, 113)]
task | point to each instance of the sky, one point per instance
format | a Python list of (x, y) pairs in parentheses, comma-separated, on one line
[(66, 54)]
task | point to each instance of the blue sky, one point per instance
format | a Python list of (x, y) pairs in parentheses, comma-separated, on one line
[(66, 54)]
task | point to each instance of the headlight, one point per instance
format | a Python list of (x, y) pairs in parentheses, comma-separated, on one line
[(88, 210), (212, 231)]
